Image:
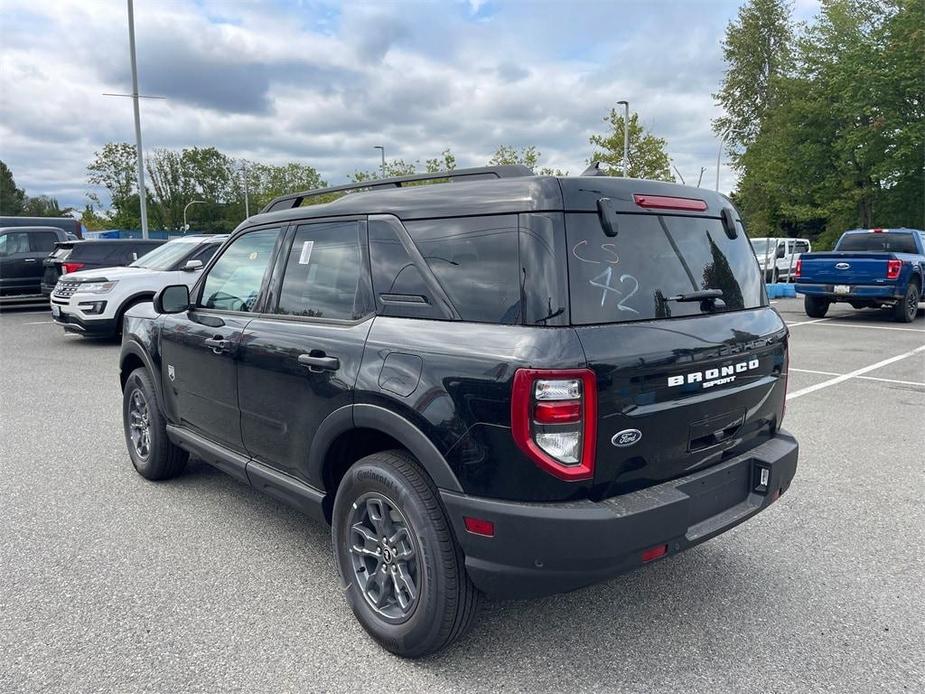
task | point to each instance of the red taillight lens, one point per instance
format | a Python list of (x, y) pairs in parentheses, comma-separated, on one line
[(668, 202), (71, 267), (479, 526), (557, 412), (892, 269), (554, 420), (798, 269)]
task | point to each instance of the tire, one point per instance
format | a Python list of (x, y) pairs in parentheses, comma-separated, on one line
[(159, 459), (906, 309), (815, 307), (392, 486)]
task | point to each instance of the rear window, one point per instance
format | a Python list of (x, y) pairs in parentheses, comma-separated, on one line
[(475, 260), (632, 276), (886, 241)]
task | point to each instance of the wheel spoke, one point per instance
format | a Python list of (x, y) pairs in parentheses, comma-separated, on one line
[(405, 590), (381, 583), (369, 537)]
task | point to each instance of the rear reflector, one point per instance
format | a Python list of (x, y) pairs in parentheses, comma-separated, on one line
[(892, 269), (667, 202), (654, 553), (479, 526)]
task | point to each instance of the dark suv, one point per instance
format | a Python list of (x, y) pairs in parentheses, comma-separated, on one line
[(505, 384)]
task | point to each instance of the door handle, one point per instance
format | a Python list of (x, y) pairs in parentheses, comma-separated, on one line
[(30, 260), (319, 363), (217, 343)]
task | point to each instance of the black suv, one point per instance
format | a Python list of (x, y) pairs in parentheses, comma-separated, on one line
[(73, 256), (505, 384)]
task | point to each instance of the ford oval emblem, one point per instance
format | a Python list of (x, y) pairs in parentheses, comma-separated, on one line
[(842, 266), (627, 437)]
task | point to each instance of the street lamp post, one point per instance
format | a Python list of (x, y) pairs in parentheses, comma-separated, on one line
[(382, 151), (141, 169), (191, 202), (626, 137), (247, 208), (719, 153)]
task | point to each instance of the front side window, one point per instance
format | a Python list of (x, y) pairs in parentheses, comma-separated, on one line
[(324, 276), (14, 242), (234, 282)]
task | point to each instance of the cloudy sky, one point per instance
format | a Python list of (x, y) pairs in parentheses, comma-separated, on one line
[(323, 82)]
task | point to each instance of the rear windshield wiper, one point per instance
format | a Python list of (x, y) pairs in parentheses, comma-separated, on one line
[(702, 295), (710, 299)]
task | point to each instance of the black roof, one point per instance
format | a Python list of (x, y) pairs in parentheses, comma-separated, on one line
[(524, 193)]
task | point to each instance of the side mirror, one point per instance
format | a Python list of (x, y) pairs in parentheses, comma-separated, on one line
[(192, 265), (780, 251), (172, 299)]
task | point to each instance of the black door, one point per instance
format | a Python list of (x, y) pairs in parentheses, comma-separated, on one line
[(299, 362), (200, 347), (21, 255)]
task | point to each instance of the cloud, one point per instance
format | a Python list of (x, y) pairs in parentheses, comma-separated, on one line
[(322, 82)]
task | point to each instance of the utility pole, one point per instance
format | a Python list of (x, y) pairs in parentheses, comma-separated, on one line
[(382, 150), (719, 153), (247, 209), (626, 138)]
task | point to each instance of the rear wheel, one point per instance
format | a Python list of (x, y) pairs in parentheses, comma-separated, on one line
[(815, 306), (151, 452), (905, 310), (402, 568)]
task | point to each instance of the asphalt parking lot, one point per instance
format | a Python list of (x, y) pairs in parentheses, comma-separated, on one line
[(113, 583)]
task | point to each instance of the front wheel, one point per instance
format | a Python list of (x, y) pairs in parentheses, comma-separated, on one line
[(815, 307), (905, 309), (402, 569), (151, 452)]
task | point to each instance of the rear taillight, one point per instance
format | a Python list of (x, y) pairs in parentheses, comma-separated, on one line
[(71, 267), (554, 420), (892, 269), (798, 269)]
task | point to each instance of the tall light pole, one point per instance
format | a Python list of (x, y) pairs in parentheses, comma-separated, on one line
[(626, 137), (719, 153), (191, 202), (247, 209), (382, 151), (141, 169), (135, 96)]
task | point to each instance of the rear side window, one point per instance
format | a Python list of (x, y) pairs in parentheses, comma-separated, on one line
[(889, 242), (633, 275), (43, 241), (324, 276), (92, 251), (475, 259), (399, 287)]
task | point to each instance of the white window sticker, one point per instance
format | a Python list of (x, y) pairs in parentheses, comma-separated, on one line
[(306, 253)]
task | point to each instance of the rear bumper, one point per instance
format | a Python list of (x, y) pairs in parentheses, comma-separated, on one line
[(540, 549), (886, 292)]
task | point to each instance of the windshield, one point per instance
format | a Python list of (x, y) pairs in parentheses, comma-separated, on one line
[(887, 241), (635, 275), (165, 257)]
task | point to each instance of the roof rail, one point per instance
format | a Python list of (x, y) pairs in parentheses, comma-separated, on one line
[(293, 200)]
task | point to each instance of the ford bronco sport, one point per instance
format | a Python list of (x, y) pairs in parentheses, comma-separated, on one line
[(504, 384)]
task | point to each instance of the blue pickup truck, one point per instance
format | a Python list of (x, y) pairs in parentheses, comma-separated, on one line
[(869, 268)]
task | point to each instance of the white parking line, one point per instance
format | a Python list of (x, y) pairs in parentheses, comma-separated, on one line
[(41, 322), (807, 322), (864, 378), (870, 327), (853, 374)]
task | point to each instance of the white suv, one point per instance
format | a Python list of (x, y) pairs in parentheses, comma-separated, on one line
[(92, 302)]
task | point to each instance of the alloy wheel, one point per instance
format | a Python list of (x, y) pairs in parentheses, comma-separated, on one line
[(384, 557), (139, 424)]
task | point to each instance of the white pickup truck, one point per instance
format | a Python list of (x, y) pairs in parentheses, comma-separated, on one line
[(92, 302), (777, 257)]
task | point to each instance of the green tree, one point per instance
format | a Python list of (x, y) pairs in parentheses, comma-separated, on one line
[(648, 155), (758, 49), (12, 198), (507, 155), (113, 168), (44, 206)]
